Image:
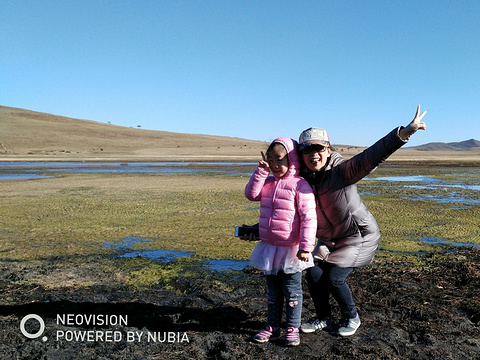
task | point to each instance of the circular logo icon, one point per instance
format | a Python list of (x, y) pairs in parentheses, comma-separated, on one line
[(25, 332)]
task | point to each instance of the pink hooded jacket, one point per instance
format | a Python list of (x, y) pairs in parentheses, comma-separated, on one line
[(287, 204)]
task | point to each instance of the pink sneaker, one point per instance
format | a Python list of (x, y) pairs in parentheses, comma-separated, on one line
[(270, 333), (292, 337)]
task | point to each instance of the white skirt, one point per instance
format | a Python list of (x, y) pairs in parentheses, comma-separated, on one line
[(272, 259)]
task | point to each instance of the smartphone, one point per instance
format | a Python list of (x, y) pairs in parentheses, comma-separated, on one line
[(241, 231)]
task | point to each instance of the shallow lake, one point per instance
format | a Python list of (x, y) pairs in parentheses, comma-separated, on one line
[(22, 176), (463, 187), (161, 167)]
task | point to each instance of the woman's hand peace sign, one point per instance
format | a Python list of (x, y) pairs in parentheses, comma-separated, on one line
[(415, 124)]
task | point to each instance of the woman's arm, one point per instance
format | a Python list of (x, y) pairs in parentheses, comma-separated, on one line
[(367, 161)]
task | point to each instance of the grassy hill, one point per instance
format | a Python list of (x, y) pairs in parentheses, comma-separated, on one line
[(29, 134), (35, 136)]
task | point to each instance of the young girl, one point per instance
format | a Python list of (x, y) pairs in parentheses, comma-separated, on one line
[(287, 229)]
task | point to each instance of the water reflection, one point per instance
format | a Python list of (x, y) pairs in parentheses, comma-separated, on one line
[(449, 198), (427, 182), (170, 255), (22, 176), (443, 191), (403, 178), (430, 240)]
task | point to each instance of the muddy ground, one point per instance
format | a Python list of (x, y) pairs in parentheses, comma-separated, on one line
[(427, 313)]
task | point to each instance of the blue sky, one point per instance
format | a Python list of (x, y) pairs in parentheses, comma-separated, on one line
[(249, 69)]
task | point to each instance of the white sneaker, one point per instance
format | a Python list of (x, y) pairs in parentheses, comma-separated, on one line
[(349, 326), (314, 324)]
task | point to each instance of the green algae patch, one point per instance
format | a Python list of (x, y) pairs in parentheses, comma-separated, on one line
[(141, 273)]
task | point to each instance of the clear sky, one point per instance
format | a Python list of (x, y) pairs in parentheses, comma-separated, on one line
[(252, 69)]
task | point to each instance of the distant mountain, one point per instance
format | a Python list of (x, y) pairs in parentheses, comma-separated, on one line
[(471, 144)]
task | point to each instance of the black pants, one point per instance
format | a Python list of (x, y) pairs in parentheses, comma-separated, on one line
[(324, 279)]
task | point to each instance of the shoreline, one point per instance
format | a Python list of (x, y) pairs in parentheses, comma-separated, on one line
[(407, 157)]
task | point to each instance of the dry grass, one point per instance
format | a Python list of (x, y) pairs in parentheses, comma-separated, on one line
[(33, 136), (28, 135), (154, 185)]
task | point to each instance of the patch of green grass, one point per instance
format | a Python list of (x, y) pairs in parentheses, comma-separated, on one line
[(404, 223), (76, 219), (143, 273), (82, 219)]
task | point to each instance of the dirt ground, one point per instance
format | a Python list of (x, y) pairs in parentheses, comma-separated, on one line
[(431, 313)]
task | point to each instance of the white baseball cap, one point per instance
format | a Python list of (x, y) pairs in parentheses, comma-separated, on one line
[(313, 135)]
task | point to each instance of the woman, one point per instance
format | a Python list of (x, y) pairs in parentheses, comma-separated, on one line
[(347, 233)]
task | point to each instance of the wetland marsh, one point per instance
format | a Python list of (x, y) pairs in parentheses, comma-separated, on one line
[(54, 232), (195, 207)]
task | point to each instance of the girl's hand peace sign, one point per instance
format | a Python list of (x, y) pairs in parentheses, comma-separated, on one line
[(264, 163)]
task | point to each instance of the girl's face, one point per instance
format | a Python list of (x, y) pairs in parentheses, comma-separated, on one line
[(277, 159), (316, 157)]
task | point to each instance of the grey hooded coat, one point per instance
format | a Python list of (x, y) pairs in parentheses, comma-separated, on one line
[(347, 232)]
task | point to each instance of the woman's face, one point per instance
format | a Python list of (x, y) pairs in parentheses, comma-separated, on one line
[(316, 156)]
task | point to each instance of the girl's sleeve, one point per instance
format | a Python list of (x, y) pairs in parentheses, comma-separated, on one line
[(253, 190), (306, 206), (367, 161)]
